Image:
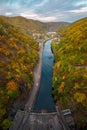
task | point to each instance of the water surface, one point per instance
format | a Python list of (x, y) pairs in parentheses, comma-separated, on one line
[(44, 100)]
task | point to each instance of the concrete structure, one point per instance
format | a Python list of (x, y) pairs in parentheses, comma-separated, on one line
[(26, 120)]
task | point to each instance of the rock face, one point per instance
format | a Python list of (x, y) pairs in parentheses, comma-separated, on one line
[(38, 121)]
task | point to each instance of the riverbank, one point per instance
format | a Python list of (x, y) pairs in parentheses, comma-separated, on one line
[(37, 77)]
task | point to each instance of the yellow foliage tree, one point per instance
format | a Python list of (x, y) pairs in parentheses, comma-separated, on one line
[(76, 86), (12, 85), (79, 97), (63, 77), (61, 87), (75, 73)]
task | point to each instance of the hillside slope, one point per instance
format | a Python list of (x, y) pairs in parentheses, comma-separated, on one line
[(26, 25), (70, 71), (53, 26), (18, 57), (29, 26)]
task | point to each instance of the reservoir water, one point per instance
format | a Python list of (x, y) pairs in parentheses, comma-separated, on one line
[(44, 100)]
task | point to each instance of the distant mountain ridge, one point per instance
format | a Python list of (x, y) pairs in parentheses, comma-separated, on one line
[(28, 25), (52, 26)]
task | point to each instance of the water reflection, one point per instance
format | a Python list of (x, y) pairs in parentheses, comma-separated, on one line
[(44, 99)]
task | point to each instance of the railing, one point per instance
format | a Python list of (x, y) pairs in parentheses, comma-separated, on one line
[(31, 111), (43, 111)]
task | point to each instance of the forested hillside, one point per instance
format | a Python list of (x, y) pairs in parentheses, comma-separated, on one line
[(18, 57), (70, 71), (52, 26), (29, 26)]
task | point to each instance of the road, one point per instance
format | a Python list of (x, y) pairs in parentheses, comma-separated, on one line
[(37, 77)]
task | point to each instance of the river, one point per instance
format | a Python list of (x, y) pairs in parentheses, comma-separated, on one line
[(44, 100)]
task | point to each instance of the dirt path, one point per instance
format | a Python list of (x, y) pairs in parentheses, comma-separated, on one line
[(37, 77)]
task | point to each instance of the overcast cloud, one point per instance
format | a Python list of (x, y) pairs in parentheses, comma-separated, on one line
[(45, 10)]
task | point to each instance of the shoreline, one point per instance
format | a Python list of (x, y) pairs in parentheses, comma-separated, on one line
[(37, 77)]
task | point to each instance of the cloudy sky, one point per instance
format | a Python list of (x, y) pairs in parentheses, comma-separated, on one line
[(45, 10)]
